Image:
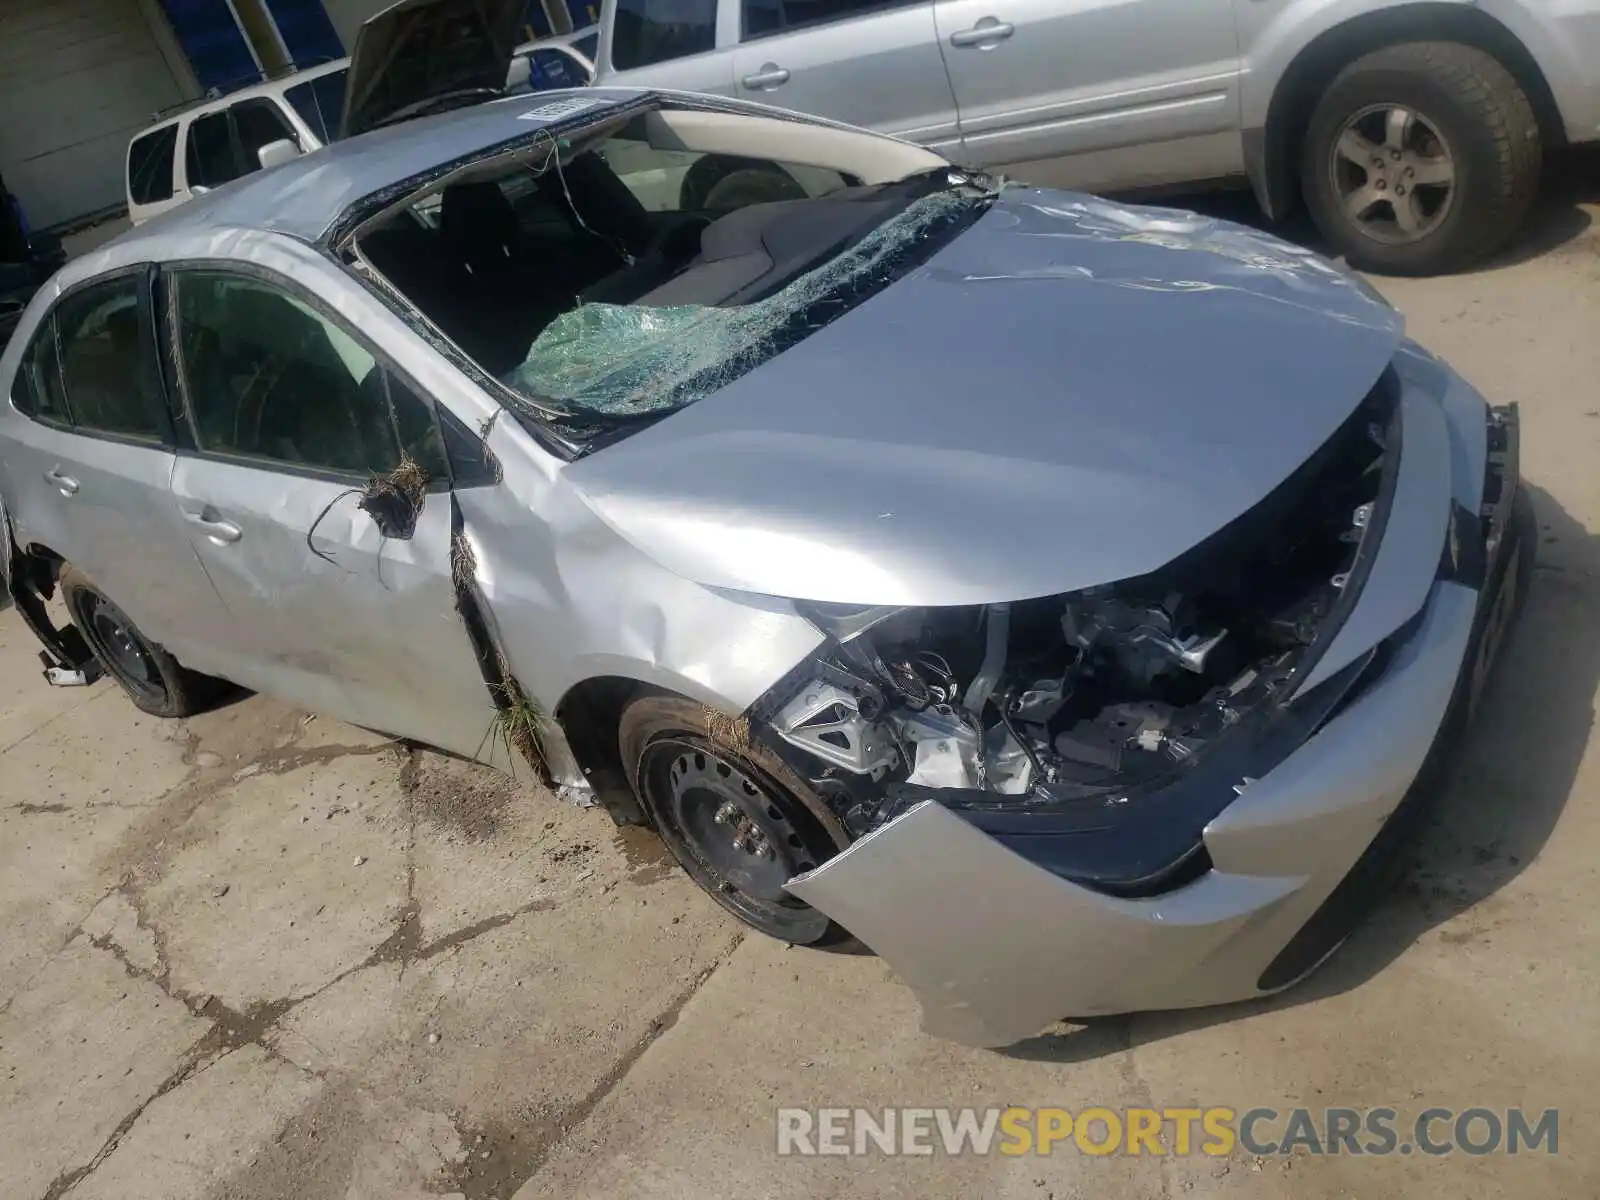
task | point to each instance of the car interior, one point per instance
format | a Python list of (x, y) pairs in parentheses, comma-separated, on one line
[(491, 258)]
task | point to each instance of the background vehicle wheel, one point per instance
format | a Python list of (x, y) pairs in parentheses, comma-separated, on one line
[(1421, 158), (736, 818), (153, 679)]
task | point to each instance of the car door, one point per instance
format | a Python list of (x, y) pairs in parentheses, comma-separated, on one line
[(89, 469), (293, 416), (868, 62), (1147, 91)]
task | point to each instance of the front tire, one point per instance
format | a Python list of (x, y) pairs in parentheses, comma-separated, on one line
[(734, 815), (154, 680), (1421, 158)]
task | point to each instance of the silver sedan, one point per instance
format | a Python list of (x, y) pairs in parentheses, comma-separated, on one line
[(1065, 599)]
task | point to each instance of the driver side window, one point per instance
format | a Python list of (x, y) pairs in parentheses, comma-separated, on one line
[(269, 377)]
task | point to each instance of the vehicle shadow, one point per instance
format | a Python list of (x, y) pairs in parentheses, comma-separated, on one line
[(1571, 180), (1499, 798)]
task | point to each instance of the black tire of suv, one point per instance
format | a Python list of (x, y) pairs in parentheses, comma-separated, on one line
[(176, 692), (656, 720), (1483, 115)]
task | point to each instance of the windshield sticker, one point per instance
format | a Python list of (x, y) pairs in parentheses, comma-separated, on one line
[(557, 109)]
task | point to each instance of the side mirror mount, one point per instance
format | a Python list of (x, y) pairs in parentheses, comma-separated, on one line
[(276, 153)]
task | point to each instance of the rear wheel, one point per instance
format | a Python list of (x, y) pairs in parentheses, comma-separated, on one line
[(1421, 158), (736, 818), (153, 679)]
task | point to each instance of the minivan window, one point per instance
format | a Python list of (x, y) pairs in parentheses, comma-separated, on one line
[(258, 123), (108, 367), (764, 17), (269, 377), (653, 31), (320, 103), (150, 165), (209, 160)]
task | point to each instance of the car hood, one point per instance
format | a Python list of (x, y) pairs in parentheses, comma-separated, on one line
[(1069, 393), (419, 49)]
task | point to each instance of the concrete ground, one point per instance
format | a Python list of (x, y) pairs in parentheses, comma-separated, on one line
[(260, 954)]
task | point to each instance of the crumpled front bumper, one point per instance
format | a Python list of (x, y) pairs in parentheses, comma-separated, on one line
[(997, 948)]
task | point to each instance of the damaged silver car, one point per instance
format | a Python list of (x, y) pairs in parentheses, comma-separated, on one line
[(1064, 598)]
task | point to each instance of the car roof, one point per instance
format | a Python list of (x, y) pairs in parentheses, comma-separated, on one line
[(270, 87), (304, 197)]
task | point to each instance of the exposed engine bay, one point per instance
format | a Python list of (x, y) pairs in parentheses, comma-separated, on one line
[(1115, 687)]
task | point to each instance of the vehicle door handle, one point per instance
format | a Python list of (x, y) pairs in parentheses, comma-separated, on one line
[(985, 33), (770, 76), (65, 484), (216, 528)]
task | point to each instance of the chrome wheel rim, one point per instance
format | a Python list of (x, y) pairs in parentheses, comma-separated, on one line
[(1393, 174)]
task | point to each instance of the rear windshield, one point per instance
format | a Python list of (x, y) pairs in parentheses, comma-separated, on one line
[(320, 103), (150, 165)]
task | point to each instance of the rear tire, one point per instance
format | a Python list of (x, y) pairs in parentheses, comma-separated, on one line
[(736, 818), (1468, 119), (152, 678)]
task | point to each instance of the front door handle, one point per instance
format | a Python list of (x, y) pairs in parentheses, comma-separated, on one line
[(985, 34), (770, 76), (218, 530), (65, 484)]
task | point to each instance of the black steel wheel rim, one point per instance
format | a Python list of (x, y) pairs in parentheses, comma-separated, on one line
[(738, 834), (121, 647)]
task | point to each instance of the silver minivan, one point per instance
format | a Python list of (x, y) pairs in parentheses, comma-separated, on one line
[(1412, 131)]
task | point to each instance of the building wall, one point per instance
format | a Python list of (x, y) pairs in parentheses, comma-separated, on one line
[(78, 78)]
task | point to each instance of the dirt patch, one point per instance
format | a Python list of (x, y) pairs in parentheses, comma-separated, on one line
[(32, 810), (467, 800), (574, 853)]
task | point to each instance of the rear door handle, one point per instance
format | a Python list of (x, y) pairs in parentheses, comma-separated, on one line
[(987, 32), (217, 529), (65, 484), (770, 76)]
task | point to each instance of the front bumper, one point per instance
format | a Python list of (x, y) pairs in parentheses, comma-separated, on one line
[(996, 947)]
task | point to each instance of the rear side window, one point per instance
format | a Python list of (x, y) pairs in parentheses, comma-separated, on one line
[(259, 122), (37, 390), (209, 159), (270, 377), (108, 365), (653, 31), (320, 103), (150, 166)]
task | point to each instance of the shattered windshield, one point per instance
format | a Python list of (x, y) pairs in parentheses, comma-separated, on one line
[(629, 360), (605, 280)]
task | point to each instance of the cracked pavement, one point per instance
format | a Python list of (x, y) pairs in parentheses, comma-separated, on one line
[(256, 954)]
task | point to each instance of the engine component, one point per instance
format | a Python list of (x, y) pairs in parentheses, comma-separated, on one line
[(1039, 704), (998, 626), (825, 720), (947, 749), (1144, 638)]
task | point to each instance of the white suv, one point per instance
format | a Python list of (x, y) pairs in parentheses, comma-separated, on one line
[(223, 139), (467, 55)]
